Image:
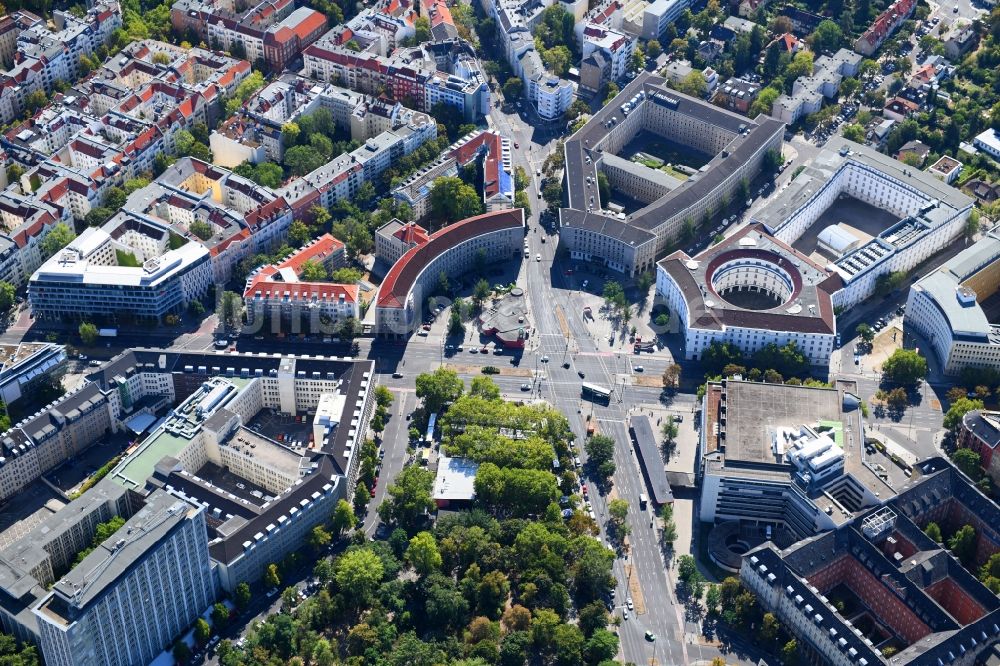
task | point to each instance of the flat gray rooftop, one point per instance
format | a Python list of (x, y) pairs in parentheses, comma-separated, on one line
[(754, 408)]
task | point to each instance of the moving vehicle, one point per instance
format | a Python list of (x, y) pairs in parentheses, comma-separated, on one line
[(595, 392), (643, 501)]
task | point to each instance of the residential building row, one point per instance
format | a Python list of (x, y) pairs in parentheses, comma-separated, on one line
[(341, 177), (487, 147), (420, 77), (100, 133), (883, 26), (808, 92), (256, 134), (637, 18), (516, 21), (606, 56), (280, 293), (171, 242), (43, 56), (632, 243), (122, 603), (272, 32)]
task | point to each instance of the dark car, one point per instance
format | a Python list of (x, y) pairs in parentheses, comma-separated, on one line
[(580, 372)]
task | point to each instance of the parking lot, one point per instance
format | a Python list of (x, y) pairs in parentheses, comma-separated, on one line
[(236, 485), (292, 431)]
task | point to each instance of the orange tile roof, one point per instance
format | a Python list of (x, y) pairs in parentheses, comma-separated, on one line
[(412, 234)]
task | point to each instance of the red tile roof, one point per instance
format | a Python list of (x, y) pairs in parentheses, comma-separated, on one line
[(399, 281), (265, 283), (412, 234)]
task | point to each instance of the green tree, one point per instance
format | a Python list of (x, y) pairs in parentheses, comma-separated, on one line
[(557, 59), (7, 295), (693, 84), (866, 333), (828, 36), (969, 462), (905, 367), (513, 88), (958, 409), (241, 596), (423, 553), (202, 631), (438, 387), (600, 451), (59, 237), (422, 26), (451, 200), (319, 538), (963, 544), (349, 328), (854, 132), (592, 617), (230, 310), (343, 517), (313, 271), (181, 652), (790, 653), (934, 532), (481, 292), (289, 599), (359, 573), (299, 233), (272, 578), (764, 102), (220, 616), (346, 275), (88, 333), (653, 49), (409, 498), (303, 159), (638, 60)]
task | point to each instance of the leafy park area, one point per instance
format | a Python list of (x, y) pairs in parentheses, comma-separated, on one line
[(508, 582)]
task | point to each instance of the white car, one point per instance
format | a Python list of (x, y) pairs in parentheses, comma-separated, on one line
[(625, 613), (638, 368), (538, 257), (545, 359), (628, 602)]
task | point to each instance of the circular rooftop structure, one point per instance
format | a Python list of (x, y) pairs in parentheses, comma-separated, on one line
[(753, 279), (747, 284)]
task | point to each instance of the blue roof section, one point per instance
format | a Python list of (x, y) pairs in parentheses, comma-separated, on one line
[(506, 183)]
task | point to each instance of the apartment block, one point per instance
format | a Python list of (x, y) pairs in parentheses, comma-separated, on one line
[(425, 75), (169, 244), (129, 598), (279, 292)]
